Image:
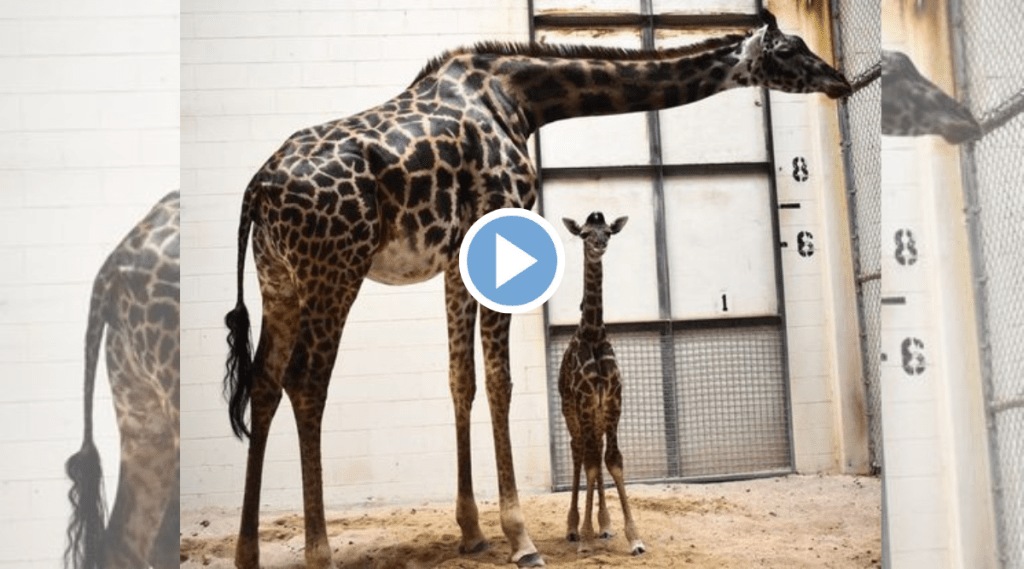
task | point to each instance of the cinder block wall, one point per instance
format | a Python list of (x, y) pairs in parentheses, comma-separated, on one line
[(253, 73), (88, 143)]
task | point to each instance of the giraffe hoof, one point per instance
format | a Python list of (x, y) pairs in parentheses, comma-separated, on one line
[(480, 547), (639, 548), (607, 535), (572, 537), (531, 560)]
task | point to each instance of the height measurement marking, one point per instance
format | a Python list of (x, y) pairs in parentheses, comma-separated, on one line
[(906, 247), (800, 173), (913, 356), (805, 244)]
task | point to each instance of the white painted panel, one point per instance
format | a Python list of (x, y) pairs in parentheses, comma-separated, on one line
[(576, 6), (705, 6), (595, 141), (720, 242), (726, 127), (630, 270)]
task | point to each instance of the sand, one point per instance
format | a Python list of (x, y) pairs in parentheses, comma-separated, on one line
[(790, 522)]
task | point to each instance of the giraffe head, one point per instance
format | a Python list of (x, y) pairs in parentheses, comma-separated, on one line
[(595, 233), (783, 62), (914, 106)]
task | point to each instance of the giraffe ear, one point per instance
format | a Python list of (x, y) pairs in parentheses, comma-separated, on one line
[(572, 226), (619, 223), (769, 19)]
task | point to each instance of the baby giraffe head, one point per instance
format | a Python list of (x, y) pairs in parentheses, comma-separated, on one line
[(595, 233), (784, 63)]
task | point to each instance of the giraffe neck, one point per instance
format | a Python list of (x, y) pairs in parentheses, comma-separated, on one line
[(549, 89), (592, 319)]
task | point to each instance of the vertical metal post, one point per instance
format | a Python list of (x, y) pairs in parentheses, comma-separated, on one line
[(972, 210), (667, 337)]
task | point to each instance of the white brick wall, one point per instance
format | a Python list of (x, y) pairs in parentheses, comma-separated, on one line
[(253, 73), (88, 142)]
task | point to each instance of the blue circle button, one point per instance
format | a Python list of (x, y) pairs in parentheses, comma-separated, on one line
[(512, 260)]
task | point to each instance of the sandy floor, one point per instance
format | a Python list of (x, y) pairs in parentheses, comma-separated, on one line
[(797, 521)]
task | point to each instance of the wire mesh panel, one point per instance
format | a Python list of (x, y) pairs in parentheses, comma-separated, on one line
[(731, 401), (992, 75), (642, 428), (860, 30), (715, 408)]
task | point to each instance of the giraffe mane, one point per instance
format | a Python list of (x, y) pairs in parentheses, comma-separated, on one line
[(563, 51)]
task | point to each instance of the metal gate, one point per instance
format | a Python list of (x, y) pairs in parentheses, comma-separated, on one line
[(705, 389), (857, 28), (989, 60)]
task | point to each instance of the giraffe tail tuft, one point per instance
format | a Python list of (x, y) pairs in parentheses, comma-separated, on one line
[(238, 380), (85, 531), (239, 369)]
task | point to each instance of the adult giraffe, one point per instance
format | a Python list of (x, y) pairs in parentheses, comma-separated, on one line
[(389, 193)]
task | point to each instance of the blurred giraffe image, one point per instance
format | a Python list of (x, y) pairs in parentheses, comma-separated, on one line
[(135, 298), (914, 106)]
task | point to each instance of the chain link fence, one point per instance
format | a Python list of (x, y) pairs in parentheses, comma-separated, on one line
[(990, 64), (859, 33)]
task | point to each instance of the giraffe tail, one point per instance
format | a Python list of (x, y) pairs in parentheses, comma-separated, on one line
[(238, 376), (85, 530)]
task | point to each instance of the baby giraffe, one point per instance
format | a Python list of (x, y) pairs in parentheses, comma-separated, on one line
[(592, 394)]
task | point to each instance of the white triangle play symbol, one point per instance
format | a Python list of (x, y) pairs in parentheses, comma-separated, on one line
[(509, 260)]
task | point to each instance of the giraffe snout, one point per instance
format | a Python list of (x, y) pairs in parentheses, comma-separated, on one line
[(836, 86)]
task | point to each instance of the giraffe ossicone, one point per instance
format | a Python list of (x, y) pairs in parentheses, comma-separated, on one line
[(389, 194)]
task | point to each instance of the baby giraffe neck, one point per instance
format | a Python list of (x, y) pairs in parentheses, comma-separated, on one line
[(592, 319)]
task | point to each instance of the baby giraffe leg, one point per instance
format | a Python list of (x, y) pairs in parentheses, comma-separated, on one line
[(604, 521), (592, 466), (572, 532), (613, 458)]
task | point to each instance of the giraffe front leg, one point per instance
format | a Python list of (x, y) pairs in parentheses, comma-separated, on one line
[(461, 312), (494, 334)]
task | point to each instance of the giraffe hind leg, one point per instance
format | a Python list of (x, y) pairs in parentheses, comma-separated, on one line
[(613, 459), (166, 553), (277, 338), (146, 485), (306, 380), (572, 533), (149, 457)]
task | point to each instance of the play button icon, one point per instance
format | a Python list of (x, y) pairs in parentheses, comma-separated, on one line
[(511, 260)]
